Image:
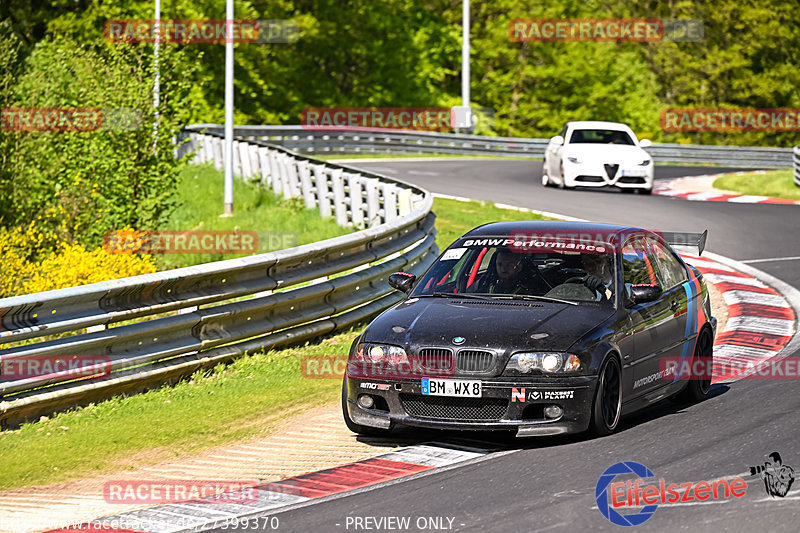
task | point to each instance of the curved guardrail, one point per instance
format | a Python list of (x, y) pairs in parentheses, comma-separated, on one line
[(327, 141), (155, 328), (796, 163)]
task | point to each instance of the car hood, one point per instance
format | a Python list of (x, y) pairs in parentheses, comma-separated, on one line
[(606, 153), (503, 326)]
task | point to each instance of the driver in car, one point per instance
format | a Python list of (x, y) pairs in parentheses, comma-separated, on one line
[(509, 270), (599, 275)]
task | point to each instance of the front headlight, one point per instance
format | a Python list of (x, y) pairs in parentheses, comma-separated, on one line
[(381, 352), (644, 163), (548, 362), (574, 160)]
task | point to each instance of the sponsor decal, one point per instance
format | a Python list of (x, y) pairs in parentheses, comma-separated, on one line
[(360, 118), (614, 496), (552, 395), (777, 477), (732, 120), (661, 374), (374, 386), (519, 395)]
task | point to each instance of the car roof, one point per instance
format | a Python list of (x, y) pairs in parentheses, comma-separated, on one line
[(599, 124), (501, 229)]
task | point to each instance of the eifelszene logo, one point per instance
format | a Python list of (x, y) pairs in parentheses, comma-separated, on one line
[(615, 496)]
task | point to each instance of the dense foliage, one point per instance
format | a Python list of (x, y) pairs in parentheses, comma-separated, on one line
[(407, 53)]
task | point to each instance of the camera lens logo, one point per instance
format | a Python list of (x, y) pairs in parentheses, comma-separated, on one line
[(603, 499), (777, 477)]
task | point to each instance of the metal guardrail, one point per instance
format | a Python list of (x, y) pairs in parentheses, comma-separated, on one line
[(796, 163), (326, 142), (155, 328)]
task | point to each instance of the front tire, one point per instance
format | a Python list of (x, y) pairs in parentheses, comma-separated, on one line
[(358, 429), (607, 406)]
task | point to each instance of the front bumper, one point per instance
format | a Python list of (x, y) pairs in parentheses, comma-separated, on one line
[(504, 405), (596, 175)]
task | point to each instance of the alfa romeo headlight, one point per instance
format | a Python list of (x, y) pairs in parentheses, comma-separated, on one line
[(548, 362)]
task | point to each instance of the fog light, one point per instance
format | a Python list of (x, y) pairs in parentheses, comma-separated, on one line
[(365, 401), (553, 411)]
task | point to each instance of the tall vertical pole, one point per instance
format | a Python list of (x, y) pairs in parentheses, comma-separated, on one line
[(228, 156), (157, 73), (465, 53)]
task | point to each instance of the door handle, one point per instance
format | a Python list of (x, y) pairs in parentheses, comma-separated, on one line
[(674, 305)]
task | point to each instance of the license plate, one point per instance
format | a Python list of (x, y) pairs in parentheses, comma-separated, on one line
[(635, 173), (451, 387)]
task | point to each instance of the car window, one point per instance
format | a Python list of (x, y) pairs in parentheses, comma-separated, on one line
[(600, 136), (672, 271), (551, 268), (638, 267)]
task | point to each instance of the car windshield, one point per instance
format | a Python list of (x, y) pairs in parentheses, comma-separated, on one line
[(499, 268), (599, 136)]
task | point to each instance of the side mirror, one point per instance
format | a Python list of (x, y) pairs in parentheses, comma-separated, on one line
[(644, 293), (645, 143), (558, 140), (402, 281)]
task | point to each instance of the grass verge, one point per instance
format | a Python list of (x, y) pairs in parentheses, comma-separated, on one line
[(774, 183), (235, 402), (279, 223)]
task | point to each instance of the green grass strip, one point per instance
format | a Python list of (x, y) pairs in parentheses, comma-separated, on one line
[(774, 183), (243, 400)]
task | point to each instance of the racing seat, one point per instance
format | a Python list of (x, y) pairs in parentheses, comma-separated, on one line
[(530, 278)]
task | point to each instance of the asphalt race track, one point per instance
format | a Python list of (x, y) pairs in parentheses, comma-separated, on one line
[(548, 484)]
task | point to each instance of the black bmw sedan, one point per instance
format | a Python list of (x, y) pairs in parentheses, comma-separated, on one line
[(538, 327)]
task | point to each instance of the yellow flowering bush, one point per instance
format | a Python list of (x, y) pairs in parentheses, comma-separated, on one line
[(27, 266)]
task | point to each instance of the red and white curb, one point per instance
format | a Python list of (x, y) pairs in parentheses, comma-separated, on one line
[(677, 188), (287, 493), (761, 321)]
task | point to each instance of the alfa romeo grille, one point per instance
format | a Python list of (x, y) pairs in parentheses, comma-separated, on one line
[(464, 409)]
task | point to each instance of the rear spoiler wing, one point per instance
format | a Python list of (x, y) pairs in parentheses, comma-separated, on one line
[(686, 239)]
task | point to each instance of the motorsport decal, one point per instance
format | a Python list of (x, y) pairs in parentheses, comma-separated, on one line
[(521, 395), (777, 477), (661, 374), (615, 496)]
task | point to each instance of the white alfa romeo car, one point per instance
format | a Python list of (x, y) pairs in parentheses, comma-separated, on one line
[(598, 154)]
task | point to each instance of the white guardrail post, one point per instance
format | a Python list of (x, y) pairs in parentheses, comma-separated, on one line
[(796, 164), (179, 321)]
